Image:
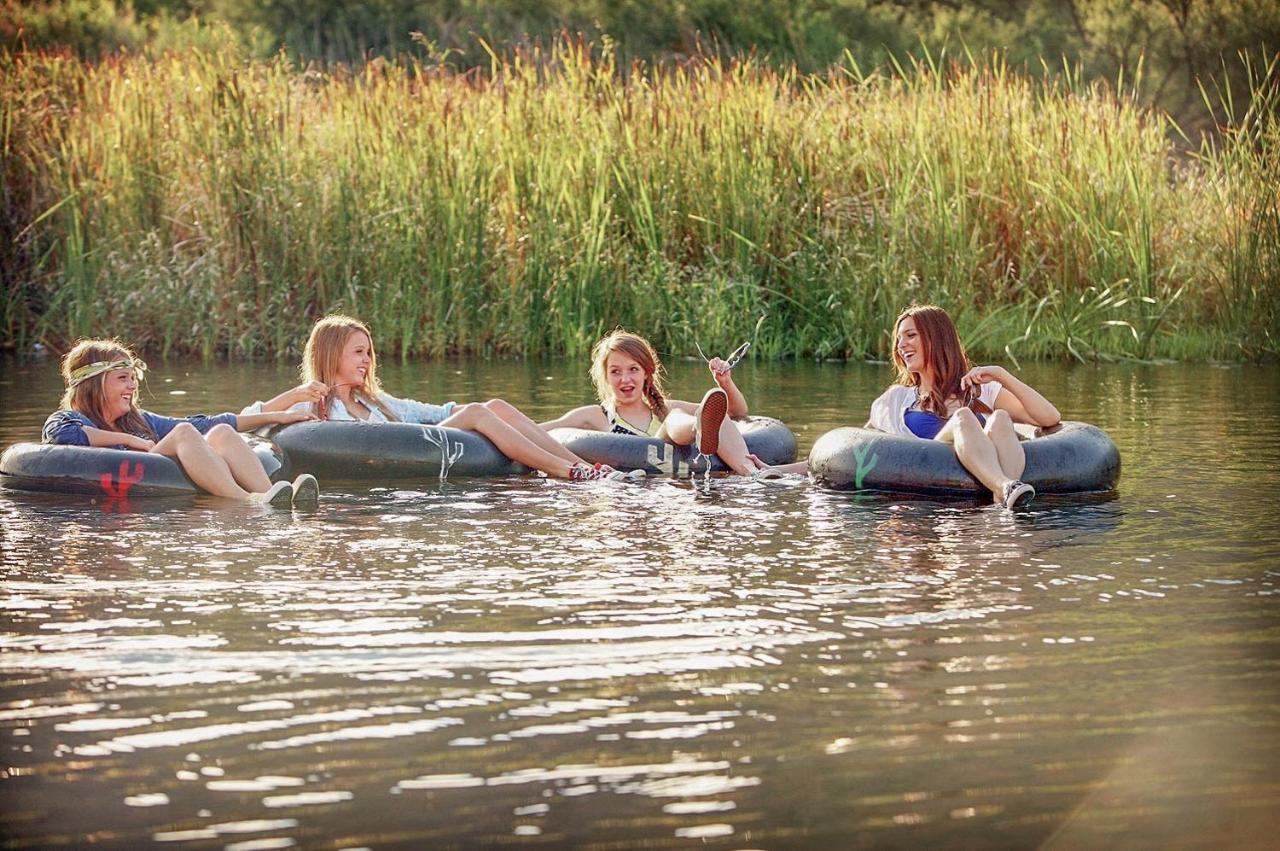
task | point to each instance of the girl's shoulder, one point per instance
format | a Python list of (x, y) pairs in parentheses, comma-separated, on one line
[(896, 395), (393, 401), (888, 409), (415, 411), (593, 417), (67, 415), (66, 427)]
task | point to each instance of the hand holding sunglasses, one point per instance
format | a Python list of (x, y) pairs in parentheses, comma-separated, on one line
[(971, 386), (729, 362)]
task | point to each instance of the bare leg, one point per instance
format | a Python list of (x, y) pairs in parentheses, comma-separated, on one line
[(1013, 458), (677, 428), (197, 458), (245, 467), (514, 417), (975, 450), (513, 444), (733, 449), (797, 468)]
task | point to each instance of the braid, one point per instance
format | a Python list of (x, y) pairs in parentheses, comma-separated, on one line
[(657, 402), (639, 350)]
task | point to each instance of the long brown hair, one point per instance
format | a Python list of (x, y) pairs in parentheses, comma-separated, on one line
[(943, 354), (639, 350), (323, 353), (89, 397)]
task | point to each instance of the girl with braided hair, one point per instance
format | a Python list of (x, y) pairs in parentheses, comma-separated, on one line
[(627, 375)]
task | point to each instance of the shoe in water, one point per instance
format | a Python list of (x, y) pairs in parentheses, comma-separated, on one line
[(1017, 494), (707, 420), (620, 475), (306, 490), (583, 473), (603, 472), (280, 495), (770, 476)]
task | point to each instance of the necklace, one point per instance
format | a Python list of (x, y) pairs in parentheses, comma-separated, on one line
[(356, 408), (917, 405)]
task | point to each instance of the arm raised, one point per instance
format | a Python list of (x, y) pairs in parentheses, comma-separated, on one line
[(720, 371), (1024, 403)]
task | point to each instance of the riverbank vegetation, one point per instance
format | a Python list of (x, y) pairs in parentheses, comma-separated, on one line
[(198, 201), (1162, 48)]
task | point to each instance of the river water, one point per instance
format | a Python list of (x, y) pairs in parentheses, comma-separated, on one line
[(488, 663)]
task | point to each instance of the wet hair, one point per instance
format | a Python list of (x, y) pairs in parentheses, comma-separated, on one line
[(639, 350), (942, 353), (89, 397), (323, 354)]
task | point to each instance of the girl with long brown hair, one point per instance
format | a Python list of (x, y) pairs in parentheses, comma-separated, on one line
[(940, 395), (100, 408), (340, 382), (627, 375)]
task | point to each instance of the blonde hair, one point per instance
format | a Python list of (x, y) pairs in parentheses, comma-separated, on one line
[(323, 355), (89, 396), (639, 350)]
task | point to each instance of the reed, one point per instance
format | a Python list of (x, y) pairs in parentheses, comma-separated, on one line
[(197, 202)]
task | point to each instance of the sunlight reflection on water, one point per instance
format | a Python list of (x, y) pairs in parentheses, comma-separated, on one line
[(484, 661)]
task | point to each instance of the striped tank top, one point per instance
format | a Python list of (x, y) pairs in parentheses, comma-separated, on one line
[(619, 425)]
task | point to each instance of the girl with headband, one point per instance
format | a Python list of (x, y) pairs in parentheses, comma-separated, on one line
[(100, 408)]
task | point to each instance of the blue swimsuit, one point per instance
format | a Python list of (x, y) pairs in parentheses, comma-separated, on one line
[(926, 425)]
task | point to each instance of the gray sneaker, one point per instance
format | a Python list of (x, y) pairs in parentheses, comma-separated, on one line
[(1017, 494), (306, 490), (279, 495)]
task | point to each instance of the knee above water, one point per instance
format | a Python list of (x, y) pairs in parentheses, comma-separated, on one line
[(471, 413), (221, 431), (498, 406)]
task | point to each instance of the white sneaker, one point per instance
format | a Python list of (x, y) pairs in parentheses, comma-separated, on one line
[(768, 475), (279, 495), (1016, 494), (583, 473), (605, 472), (306, 489)]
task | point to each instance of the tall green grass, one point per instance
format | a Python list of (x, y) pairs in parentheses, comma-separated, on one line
[(196, 202)]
